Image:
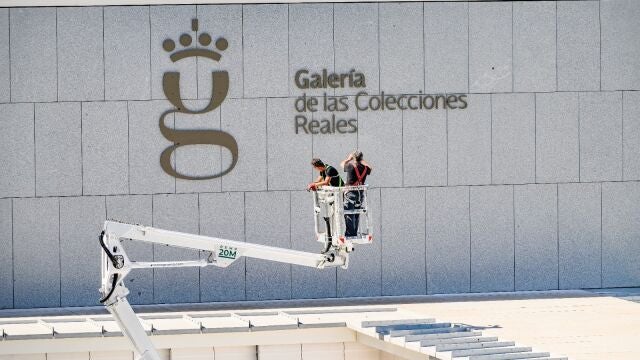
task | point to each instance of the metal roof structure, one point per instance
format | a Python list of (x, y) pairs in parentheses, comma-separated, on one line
[(384, 328)]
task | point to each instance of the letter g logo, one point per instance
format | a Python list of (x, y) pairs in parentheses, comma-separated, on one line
[(219, 89)]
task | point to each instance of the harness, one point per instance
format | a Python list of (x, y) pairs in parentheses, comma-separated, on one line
[(340, 183), (359, 176)]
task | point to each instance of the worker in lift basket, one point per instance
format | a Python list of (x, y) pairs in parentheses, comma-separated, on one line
[(357, 170), (328, 175)]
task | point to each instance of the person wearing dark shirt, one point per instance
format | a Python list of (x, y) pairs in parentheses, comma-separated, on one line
[(328, 175), (357, 170)]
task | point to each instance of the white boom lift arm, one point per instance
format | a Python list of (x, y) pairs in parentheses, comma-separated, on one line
[(116, 265)]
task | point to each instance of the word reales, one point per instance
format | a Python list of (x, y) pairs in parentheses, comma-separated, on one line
[(330, 125), (325, 80)]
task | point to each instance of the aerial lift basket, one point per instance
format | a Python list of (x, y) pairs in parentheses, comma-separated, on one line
[(331, 204)]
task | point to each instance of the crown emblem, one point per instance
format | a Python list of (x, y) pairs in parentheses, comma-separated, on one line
[(186, 40)]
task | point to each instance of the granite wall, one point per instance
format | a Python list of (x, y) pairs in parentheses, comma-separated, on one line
[(533, 186)]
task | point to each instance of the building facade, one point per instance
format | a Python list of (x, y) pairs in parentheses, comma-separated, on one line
[(504, 136)]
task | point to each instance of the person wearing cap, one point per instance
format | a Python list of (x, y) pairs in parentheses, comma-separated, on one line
[(357, 170), (328, 175)]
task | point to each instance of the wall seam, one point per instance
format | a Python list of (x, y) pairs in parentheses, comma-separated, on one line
[(150, 66), (402, 146), (313, 143), (377, 187), (558, 230), (81, 152), (13, 257), (242, 44), (220, 118), (513, 210), (491, 137), (333, 39), (266, 148), (9, 35), (358, 130), (601, 242), (128, 150), (378, 42), (336, 282), (348, 96), (104, 65), (535, 138), (468, 48), (424, 55), (579, 142), (381, 242), (513, 78), (59, 257), (600, 33), (195, 42), (153, 254), (446, 125), (105, 218), (333, 36), (175, 159), (290, 247), (426, 265), (622, 135), (199, 253), (57, 62), (288, 49), (35, 158), (470, 248), (244, 225), (556, 45)]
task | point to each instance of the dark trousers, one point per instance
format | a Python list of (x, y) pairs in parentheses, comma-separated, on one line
[(353, 201)]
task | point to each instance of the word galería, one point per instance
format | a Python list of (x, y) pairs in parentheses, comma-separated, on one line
[(333, 107)]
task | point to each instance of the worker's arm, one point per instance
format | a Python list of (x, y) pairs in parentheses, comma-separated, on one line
[(324, 182), (366, 164), (319, 182), (345, 161)]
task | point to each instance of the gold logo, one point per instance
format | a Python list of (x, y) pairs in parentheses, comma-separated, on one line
[(219, 89)]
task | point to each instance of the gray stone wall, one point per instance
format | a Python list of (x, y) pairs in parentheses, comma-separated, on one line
[(534, 186)]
